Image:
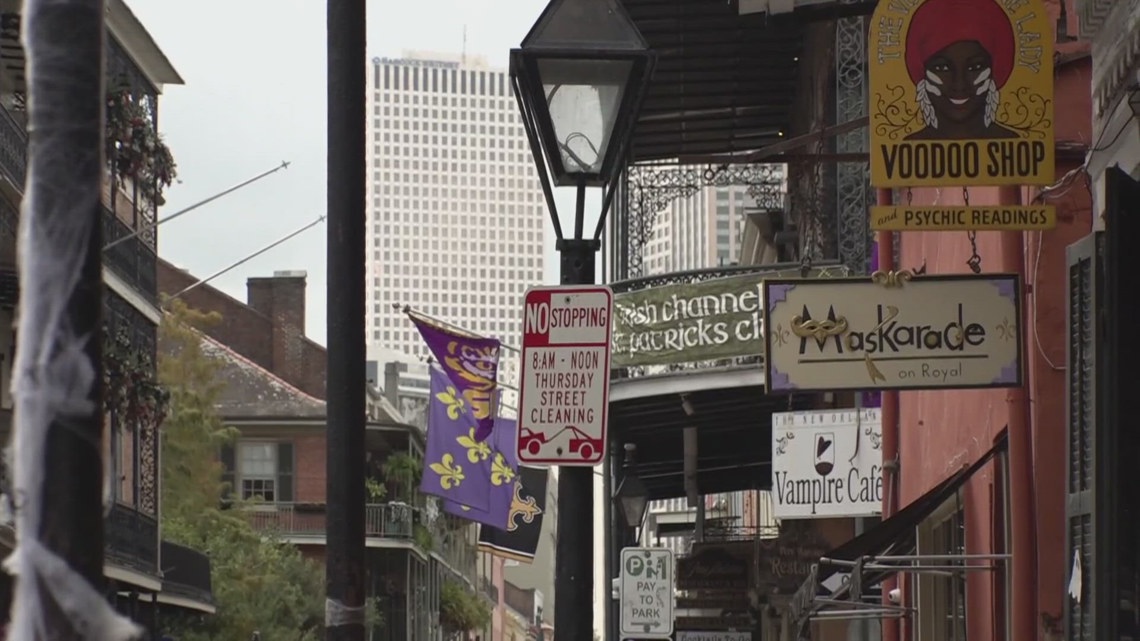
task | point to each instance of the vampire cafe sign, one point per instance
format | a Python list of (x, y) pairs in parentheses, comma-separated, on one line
[(827, 464), (961, 93), (893, 331)]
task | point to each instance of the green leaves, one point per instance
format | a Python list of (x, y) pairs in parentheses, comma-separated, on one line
[(461, 610)]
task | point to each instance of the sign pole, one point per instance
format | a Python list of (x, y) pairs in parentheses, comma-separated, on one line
[(574, 552)]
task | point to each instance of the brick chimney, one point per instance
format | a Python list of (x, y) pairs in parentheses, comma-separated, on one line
[(282, 299)]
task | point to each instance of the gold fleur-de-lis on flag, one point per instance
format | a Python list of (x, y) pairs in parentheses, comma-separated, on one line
[(452, 399), (476, 451), (450, 474), (501, 473)]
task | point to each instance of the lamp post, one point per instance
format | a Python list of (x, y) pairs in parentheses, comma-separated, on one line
[(346, 584), (632, 499), (632, 493), (579, 78)]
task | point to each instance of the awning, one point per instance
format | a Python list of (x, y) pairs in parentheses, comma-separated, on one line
[(885, 549)]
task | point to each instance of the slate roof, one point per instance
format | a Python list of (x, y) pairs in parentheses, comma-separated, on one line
[(250, 391)]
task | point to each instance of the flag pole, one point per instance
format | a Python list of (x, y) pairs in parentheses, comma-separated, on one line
[(146, 228), (442, 324)]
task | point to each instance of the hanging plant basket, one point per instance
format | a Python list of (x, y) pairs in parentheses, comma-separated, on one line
[(134, 149), (130, 389), (461, 610)]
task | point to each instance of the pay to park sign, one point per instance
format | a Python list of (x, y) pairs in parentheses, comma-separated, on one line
[(564, 392), (961, 93), (646, 593)]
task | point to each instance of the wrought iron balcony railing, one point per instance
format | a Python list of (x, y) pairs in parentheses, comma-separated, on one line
[(309, 519), (448, 536), (133, 260), (450, 541), (490, 590), (186, 573), (13, 148), (131, 539)]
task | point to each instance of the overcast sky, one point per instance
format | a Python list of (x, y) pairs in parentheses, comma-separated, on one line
[(255, 96)]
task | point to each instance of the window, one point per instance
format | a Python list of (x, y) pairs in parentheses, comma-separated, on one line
[(942, 596), (260, 471), (257, 465)]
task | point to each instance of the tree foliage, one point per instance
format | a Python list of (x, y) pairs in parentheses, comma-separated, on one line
[(460, 610), (260, 584)]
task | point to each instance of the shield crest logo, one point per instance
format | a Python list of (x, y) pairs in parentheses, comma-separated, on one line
[(824, 452)]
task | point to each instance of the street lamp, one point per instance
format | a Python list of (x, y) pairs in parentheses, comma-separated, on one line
[(579, 77), (632, 493)]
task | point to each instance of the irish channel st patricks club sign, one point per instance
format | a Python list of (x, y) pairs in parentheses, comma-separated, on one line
[(890, 331), (961, 93), (827, 464)]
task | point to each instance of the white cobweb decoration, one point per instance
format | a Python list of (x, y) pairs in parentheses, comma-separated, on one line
[(52, 376)]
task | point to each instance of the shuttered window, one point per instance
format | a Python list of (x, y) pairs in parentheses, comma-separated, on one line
[(1084, 277), (259, 471)]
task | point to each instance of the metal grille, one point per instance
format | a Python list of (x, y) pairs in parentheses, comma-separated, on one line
[(651, 188), (1081, 376), (119, 315), (1080, 617), (852, 182), (1081, 419)]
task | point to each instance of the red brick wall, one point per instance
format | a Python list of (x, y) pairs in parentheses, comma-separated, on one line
[(242, 329), (270, 333), (942, 430), (282, 300), (309, 455)]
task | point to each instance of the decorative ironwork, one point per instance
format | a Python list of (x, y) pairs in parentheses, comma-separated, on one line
[(132, 539), (122, 319), (724, 533), (133, 260), (852, 181), (186, 573), (13, 148), (651, 188)]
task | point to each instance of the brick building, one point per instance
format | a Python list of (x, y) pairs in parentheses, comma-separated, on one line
[(269, 330), (273, 380)]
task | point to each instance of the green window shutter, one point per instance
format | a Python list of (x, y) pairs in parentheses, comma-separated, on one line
[(285, 476), (229, 476)]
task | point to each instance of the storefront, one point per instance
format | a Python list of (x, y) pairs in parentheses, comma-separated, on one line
[(1102, 578)]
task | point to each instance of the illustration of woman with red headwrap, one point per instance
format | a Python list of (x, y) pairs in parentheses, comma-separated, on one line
[(959, 54)]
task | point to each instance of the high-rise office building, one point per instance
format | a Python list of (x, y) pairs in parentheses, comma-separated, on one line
[(456, 210), (700, 231)]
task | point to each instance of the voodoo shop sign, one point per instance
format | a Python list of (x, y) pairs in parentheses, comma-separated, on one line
[(686, 322), (961, 93), (892, 331)]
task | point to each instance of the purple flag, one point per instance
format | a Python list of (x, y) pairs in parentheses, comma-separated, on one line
[(472, 366), (873, 399), (503, 470), (454, 462)]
